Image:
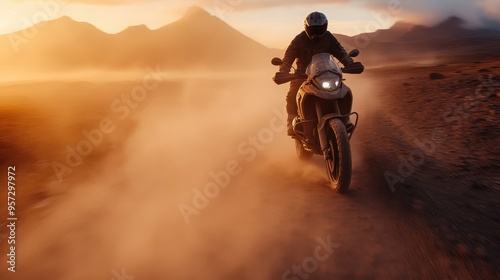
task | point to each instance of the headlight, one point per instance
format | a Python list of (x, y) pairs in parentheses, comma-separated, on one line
[(328, 81)]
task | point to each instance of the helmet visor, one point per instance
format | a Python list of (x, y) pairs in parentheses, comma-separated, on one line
[(316, 31)]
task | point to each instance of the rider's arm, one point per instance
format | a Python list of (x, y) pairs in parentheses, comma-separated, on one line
[(340, 53), (292, 52)]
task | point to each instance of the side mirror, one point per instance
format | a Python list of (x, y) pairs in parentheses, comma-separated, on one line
[(277, 61), (354, 53)]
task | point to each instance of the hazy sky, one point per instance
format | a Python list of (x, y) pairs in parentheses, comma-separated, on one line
[(271, 22)]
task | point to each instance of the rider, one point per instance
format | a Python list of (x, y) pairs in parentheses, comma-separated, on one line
[(314, 40)]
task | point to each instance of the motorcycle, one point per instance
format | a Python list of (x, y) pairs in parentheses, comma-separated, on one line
[(323, 125)]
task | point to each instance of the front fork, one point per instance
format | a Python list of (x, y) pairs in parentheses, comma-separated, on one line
[(322, 122)]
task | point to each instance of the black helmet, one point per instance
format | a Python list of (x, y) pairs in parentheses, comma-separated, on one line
[(316, 25)]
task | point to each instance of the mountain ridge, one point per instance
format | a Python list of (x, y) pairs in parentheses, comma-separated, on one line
[(65, 44), (202, 41)]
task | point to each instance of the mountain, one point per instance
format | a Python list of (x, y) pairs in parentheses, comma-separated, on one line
[(57, 44), (209, 40), (403, 41), (198, 40), (204, 42), (452, 27)]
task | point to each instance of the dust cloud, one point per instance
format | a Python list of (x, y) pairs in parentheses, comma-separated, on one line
[(202, 183)]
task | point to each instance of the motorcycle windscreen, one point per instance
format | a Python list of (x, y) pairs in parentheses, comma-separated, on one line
[(322, 62)]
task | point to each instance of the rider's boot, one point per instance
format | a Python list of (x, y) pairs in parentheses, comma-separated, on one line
[(289, 125)]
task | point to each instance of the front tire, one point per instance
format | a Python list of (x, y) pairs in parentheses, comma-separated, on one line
[(338, 163)]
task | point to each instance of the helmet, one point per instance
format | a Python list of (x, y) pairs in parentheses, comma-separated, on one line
[(316, 25)]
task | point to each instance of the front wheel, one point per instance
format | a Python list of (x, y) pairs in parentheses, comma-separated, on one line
[(338, 162)]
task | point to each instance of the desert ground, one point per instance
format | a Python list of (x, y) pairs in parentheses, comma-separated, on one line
[(126, 203)]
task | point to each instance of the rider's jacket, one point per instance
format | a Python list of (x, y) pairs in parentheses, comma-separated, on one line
[(303, 49)]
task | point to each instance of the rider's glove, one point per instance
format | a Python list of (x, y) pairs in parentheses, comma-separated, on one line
[(285, 69), (347, 61)]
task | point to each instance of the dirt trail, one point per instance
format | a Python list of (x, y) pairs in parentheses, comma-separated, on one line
[(452, 122), (275, 219)]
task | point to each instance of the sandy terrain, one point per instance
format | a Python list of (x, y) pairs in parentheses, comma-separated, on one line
[(140, 155), (118, 211), (453, 123)]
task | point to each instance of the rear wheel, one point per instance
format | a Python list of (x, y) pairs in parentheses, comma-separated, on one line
[(302, 153), (338, 163)]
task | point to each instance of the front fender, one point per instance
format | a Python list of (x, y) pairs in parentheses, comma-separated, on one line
[(322, 131), (326, 119)]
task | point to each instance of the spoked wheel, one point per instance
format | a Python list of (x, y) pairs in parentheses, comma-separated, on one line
[(302, 153), (338, 163)]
